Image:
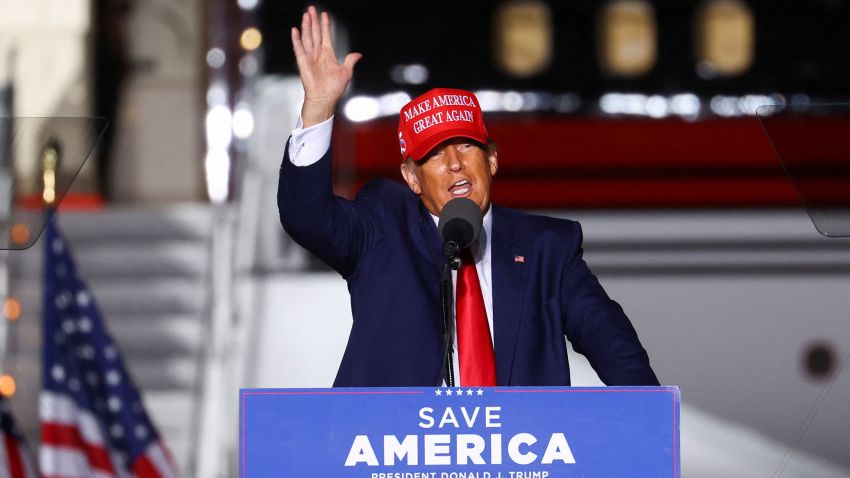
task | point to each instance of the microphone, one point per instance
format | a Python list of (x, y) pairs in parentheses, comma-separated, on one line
[(459, 225)]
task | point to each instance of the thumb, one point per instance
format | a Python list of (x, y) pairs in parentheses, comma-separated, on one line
[(351, 59)]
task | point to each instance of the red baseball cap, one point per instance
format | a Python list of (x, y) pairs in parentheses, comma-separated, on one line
[(438, 115)]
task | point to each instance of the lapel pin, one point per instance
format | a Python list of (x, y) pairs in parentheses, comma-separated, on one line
[(520, 259)]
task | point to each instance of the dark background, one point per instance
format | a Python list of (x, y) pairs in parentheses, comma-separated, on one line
[(801, 46)]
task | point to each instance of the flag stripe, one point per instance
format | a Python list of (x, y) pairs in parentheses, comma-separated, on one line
[(120, 471), (25, 459), (4, 468), (60, 462), (161, 460), (61, 409), (3, 460), (69, 436), (159, 454), (95, 474), (143, 468), (16, 467), (14, 460)]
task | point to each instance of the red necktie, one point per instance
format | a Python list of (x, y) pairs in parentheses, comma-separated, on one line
[(474, 346)]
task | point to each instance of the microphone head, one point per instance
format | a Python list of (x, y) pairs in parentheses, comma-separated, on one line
[(460, 222)]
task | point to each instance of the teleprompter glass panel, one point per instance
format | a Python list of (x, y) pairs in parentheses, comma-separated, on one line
[(39, 160), (813, 144)]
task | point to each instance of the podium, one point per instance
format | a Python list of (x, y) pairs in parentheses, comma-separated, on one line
[(488, 432)]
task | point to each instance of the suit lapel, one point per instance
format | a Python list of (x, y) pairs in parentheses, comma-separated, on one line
[(509, 276), (431, 238)]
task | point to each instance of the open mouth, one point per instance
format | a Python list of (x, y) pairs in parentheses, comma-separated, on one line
[(461, 188)]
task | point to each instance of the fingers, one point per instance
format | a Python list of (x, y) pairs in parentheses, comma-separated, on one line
[(316, 30), (327, 39), (351, 59), (307, 32), (297, 46)]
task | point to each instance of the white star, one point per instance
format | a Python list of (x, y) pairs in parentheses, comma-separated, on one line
[(58, 247), (114, 404), (69, 326), (438, 392), (113, 377), (58, 373), (460, 393), (480, 392), (83, 298), (141, 432), (74, 385), (469, 392), (449, 392), (117, 431), (110, 353), (85, 324), (86, 352), (63, 299)]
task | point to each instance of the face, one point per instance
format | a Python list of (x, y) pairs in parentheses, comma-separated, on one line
[(457, 167)]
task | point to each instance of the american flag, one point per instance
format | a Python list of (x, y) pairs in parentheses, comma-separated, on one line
[(14, 455), (93, 423)]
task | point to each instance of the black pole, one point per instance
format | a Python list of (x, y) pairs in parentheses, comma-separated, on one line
[(448, 375), (452, 263), (7, 98)]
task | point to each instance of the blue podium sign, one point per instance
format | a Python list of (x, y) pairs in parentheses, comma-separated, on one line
[(490, 432)]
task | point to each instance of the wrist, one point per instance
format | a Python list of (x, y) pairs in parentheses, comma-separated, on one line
[(314, 112)]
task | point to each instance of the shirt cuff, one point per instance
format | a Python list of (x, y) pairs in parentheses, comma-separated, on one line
[(308, 145)]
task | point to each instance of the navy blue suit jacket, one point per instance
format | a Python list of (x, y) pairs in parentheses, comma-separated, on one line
[(386, 246)]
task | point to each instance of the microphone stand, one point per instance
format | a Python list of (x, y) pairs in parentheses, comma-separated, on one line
[(451, 251)]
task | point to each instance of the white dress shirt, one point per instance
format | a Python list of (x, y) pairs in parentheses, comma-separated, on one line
[(308, 145), (481, 253)]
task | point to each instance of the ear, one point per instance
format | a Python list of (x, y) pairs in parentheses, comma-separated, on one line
[(410, 177), (493, 161)]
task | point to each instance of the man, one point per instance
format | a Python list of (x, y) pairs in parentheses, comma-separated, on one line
[(529, 286)]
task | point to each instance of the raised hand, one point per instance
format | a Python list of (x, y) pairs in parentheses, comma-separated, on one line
[(324, 78)]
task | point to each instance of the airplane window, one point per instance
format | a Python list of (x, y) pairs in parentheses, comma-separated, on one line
[(725, 38), (819, 360), (523, 38), (627, 37)]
